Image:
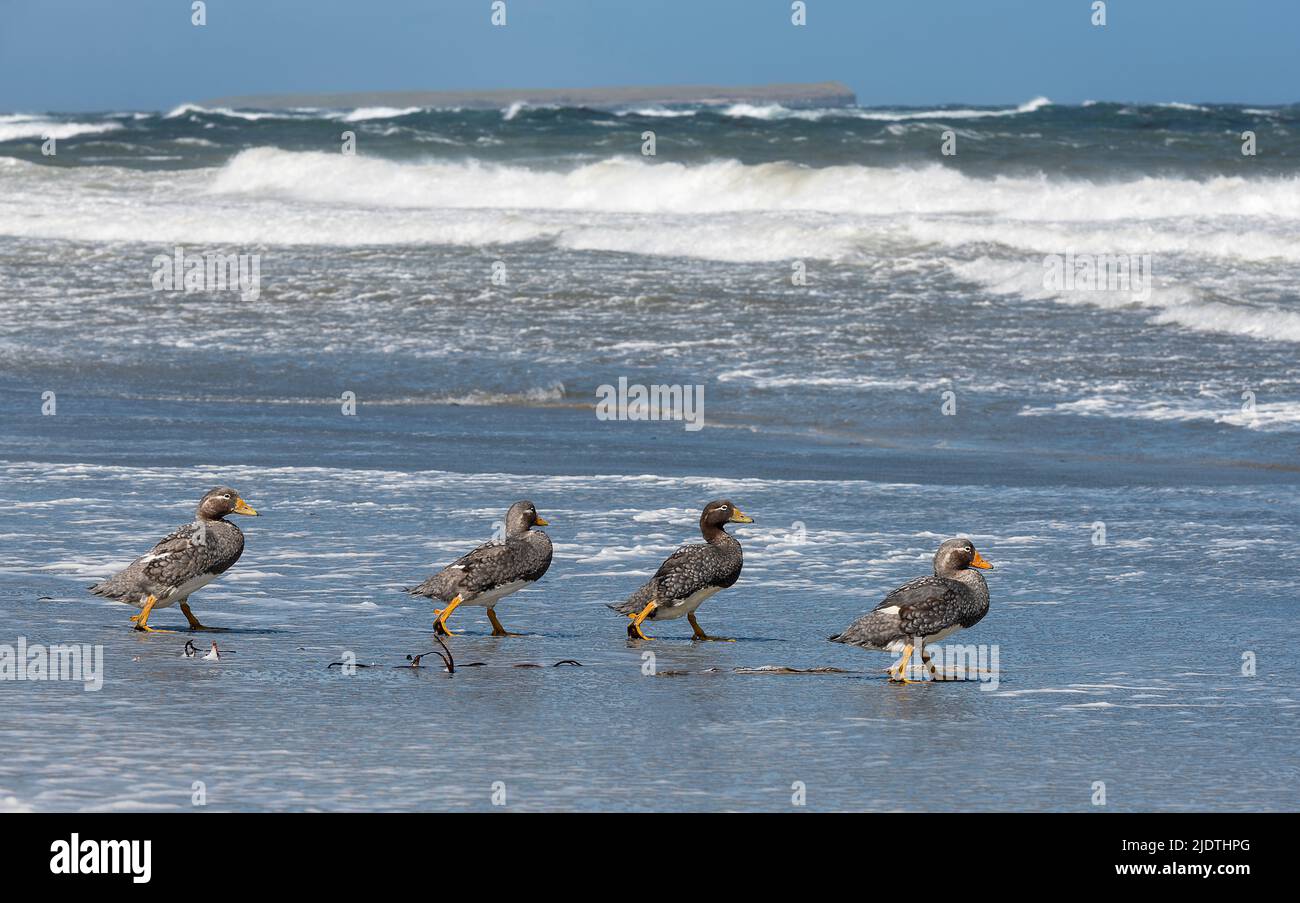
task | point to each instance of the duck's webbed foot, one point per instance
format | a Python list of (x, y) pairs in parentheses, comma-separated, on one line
[(440, 625), (702, 636), (898, 674), (634, 629)]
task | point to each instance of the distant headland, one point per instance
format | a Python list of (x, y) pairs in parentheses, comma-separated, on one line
[(819, 94)]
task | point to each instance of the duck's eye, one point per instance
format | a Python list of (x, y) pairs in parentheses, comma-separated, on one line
[(226, 497)]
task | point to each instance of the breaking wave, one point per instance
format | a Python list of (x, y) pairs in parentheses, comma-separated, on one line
[(628, 185)]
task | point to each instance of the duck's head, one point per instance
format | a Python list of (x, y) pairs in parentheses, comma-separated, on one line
[(719, 512), (956, 555), (522, 516), (222, 501)]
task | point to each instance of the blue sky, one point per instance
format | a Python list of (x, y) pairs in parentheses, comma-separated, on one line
[(145, 54)]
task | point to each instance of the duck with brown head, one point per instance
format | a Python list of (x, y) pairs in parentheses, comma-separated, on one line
[(191, 557), (493, 571), (927, 609), (690, 575)]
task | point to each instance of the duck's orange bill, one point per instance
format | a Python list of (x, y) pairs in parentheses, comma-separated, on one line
[(979, 562), (542, 522), (242, 507), (739, 517)]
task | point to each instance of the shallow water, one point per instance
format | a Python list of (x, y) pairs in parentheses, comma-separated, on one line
[(1118, 662)]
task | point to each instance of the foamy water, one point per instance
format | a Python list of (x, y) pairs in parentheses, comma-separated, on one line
[(271, 726), (18, 126), (1197, 231)]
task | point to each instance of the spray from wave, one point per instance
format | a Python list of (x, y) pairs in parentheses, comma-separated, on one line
[(631, 185), (721, 210), (776, 111), (21, 126)]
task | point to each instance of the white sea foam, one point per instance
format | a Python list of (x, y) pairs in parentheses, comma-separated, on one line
[(726, 238), (719, 210), (1227, 239), (1176, 304), (363, 113), (621, 184), (1029, 106), (764, 380), (1266, 416), (777, 111), (770, 111), (534, 395), (519, 106), (664, 112), (188, 109), (16, 126)]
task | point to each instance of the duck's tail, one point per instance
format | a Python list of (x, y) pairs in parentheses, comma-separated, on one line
[(633, 604), (111, 589)]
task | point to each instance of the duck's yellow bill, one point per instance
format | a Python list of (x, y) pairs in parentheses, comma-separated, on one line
[(740, 517), (979, 562), (242, 507), (542, 522)]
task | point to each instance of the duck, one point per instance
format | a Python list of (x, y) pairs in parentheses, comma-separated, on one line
[(925, 610), (492, 571), (690, 575), (186, 560)]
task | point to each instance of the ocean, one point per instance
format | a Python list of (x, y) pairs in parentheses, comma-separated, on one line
[(1073, 340)]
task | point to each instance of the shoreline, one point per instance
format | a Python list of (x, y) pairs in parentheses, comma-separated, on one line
[(457, 439)]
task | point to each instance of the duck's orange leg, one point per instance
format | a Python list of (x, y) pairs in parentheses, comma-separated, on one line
[(634, 629), (440, 625)]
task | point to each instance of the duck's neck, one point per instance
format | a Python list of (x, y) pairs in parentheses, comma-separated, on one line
[(715, 535), (516, 524), (975, 580)]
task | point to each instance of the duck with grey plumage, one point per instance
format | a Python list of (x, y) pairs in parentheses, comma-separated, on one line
[(690, 575), (925, 610), (186, 560), (493, 571)]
